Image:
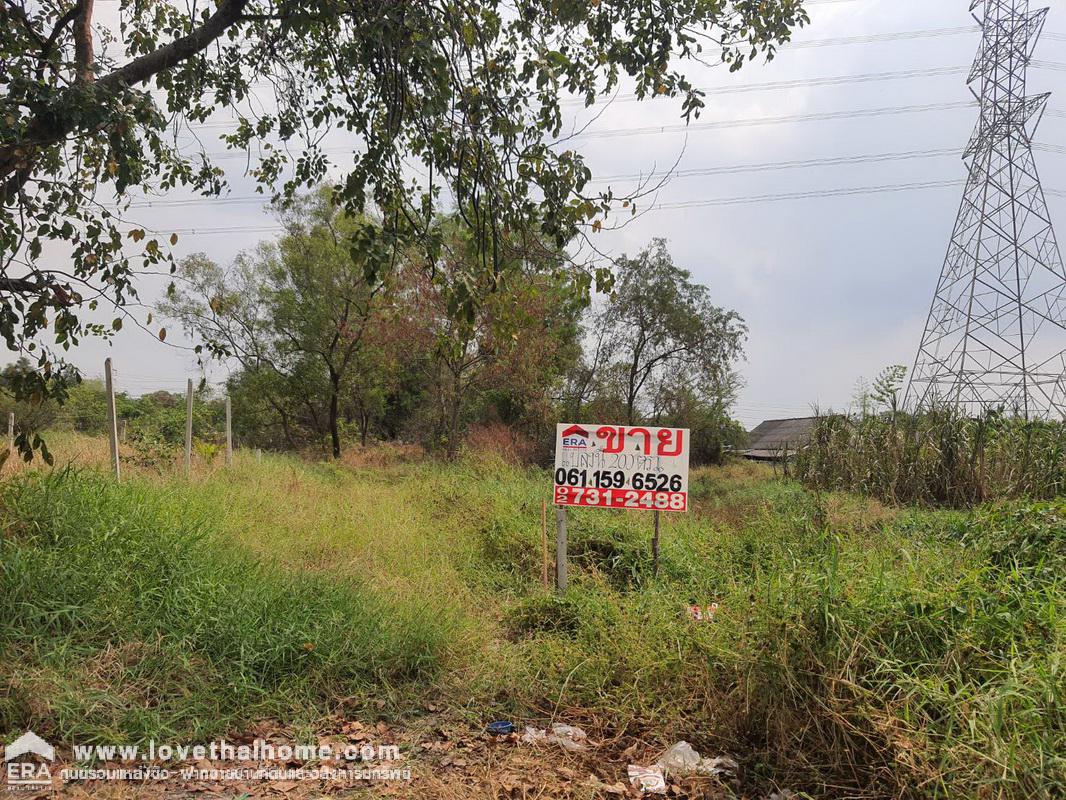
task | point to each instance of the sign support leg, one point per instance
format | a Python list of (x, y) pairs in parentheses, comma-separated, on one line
[(560, 550), (655, 547), (229, 433)]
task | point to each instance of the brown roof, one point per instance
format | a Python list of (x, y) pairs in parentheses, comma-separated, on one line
[(774, 436)]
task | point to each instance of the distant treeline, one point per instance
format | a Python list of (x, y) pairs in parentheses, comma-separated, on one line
[(335, 339), (331, 346)]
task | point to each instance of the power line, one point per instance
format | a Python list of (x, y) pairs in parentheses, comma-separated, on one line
[(748, 122), (678, 174), (837, 80), (875, 158), (928, 33), (719, 201), (773, 198), (845, 192), (788, 118), (728, 169)]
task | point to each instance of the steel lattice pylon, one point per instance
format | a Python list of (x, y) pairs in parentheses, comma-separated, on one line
[(996, 333)]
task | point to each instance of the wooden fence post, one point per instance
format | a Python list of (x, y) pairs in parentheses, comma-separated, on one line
[(112, 420), (229, 433), (188, 429), (544, 542), (11, 434)]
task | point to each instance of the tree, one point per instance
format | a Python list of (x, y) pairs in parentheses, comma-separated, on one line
[(660, 332), (714, 432), (888, 385), (510, 345), (32, 415), (468, 91), (295, 314)]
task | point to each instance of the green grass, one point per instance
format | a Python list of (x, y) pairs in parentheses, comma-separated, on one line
[(859, 650), (122, 612)]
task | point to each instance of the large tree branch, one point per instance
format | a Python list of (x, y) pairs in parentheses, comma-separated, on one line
[(22, 285), (141, 69), (83, 42), (46, 47), (50, 128)]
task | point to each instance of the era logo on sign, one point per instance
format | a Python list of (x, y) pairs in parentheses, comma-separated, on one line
[(19, 774), (575, 438)]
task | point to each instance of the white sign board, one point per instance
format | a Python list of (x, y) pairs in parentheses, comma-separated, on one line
[(621, 466)]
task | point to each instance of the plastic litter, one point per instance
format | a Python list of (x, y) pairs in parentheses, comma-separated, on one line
[(649, 780), (702, 613), (568, 737), (682, 759), (501, 728)]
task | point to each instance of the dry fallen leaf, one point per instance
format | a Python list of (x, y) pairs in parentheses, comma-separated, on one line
[(596, 784)]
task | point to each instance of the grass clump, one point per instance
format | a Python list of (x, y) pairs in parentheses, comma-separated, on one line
[(937, 457), (859, 649), (121, 605)]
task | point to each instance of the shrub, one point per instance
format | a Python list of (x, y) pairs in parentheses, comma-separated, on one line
[(939, 457)]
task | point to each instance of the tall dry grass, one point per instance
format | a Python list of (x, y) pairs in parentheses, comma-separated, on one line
[(939, 457), (858, 651)]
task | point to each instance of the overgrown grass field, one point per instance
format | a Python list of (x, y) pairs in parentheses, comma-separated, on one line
[(859, 650)]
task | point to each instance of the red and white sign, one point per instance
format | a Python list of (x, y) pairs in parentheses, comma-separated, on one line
[(621, 466)]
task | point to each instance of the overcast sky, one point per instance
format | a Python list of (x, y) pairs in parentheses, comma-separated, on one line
[(832, 287)]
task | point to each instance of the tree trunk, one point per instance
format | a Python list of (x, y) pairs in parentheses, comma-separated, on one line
[(334, 413), (453, 421)]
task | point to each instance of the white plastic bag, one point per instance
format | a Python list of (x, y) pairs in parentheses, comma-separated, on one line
[(682, 759), (568, 737)]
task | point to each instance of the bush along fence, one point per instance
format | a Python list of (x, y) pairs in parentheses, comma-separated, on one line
[(117, 428)]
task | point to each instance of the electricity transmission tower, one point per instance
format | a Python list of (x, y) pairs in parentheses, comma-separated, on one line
[(996, 333)]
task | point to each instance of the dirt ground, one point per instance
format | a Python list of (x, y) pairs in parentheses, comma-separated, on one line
[(446, 762)]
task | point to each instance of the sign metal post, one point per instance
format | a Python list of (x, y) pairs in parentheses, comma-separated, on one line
[(561, 581)]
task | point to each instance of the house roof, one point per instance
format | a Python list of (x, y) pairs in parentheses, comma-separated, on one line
[(772, 437)]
